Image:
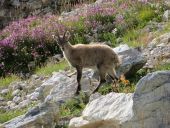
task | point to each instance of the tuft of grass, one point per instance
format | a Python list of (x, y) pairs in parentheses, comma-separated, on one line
[(8, 115), (130, 37), (4, 82), (73, 107), (8, 96), (146, 14), (163, 67), (49, 68)]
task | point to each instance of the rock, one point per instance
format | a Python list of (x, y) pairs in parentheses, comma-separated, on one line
[(34, 96), (4, 92), (158, 51), (132, 60), (24, 103), (104, 111), (62, 85), (18, 85), (167, 3), (56, 58), (15, 3), (166, 15), (148, 107), (151, 102), (12, 106), (35, 4), (16, 92), (1, 99), (165, 38), (44, 115), (16, 99), (9, 102)]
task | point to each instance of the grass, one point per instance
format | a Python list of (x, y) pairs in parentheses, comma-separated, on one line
[(162, 67), (124, 85), (4, 82), (8, 96), (8, 115), (49, 68), (5, 116), (73, 107), (130, 37)]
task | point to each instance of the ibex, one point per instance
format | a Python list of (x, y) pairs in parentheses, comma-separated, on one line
[(89, 55)]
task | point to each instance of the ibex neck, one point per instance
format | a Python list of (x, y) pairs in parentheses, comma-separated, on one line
[(67, 47)]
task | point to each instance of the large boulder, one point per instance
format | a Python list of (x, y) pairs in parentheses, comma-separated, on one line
[(44, 115), (62, 85), (132, 60), (148, 107)]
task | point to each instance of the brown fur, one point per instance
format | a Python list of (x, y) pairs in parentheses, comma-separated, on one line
[(90, 55)]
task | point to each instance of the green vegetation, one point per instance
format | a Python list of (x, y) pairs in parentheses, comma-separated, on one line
[(8, 96), (130, 37), (8, 115), (5, 116), (73, 107), (4, 82), (49, 68), (163, 67)]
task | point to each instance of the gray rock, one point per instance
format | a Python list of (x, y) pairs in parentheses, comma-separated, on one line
[(132, 60), (44, 115), (34, 96), (158, 51), (36, 4), (148, 107), (166, 15), (16, 92), (104, 111), (16, 99), (167, 3), (62, 85), (15, 3), (24, 103), (1, 99), (4, 91)]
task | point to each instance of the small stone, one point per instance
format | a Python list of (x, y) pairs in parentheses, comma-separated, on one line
[(16, 92), (34, 96), (24, 103), (166, 15), (4, 91), (9, 102), (16, 99), (12, 105), (1, 98)]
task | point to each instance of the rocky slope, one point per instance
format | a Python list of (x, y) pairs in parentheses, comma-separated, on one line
[(147, 107)]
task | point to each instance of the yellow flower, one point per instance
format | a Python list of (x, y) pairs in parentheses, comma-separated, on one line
[(123, 80)]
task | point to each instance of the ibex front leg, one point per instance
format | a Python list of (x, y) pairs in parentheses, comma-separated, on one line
[(79, 74)]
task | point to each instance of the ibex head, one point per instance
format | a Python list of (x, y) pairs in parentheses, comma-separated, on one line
[(62, 39)]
